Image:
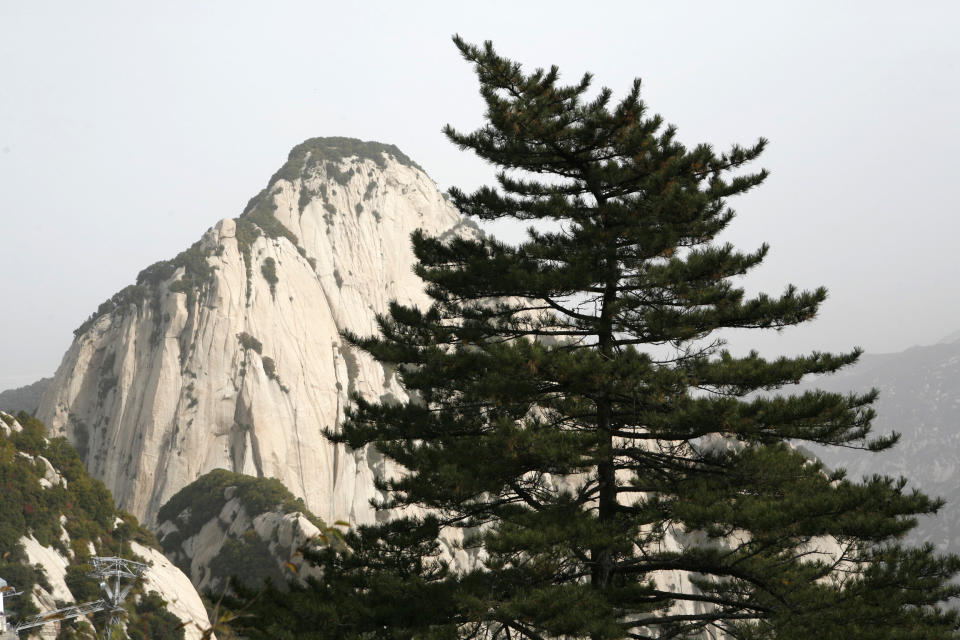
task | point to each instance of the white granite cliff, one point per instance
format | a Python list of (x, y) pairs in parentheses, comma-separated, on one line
[(230, 356)]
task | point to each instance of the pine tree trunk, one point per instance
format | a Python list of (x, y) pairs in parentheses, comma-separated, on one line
[(606, 472)]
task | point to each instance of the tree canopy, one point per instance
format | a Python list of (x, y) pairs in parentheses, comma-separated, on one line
[(574, 417)]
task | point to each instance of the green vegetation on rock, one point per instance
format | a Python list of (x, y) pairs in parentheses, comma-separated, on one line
[(150, 620), (258, 218), (26, 506), (269, 271), (336, 174), (247, 341), (247, 555), (248, 558), (203, 499), (197, 272), (315, 152), (34, 503), (270, 368), (260, 211)]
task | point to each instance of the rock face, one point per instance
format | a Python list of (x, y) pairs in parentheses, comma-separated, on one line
[(175, 587), (231, 356)]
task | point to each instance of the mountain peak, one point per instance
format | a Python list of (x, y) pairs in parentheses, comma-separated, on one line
[(230, 355), (314, 152)]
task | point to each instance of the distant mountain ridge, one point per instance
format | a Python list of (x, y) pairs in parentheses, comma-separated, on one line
[(919, 398), (25, 398)]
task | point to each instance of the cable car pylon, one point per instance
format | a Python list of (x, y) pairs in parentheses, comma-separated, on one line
[(117, 577)]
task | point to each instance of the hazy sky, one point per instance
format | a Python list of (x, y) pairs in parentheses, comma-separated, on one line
[(128, 128)]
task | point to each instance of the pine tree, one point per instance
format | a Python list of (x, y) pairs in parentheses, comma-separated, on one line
[(574, 413)]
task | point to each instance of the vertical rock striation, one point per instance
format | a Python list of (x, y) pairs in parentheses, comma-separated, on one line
[(230, 355)]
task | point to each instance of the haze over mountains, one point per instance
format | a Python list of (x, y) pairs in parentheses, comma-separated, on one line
[(25, 398), (920, 399)]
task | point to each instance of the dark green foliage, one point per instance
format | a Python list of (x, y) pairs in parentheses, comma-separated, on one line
[(247, 341), (82, 585), (304, 198), (368, 192), (150, 620), (269, 271), (260, 210), (269, 367), (27, 508), (393, 561), (192, 400), (246, 235), (258, 216), (32, 438), (334, 173), (317, 152), (257, 219), (204, 498), (574, 413), (131, 294), (15, 570), (247, 558), (182, 286), (156, 273), (197, 273)]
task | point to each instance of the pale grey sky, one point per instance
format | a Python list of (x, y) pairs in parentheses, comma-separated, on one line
[(128, 128)]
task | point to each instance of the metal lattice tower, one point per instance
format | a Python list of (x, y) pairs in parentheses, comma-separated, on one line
[(116, 570), (117, 577), (6, 591)]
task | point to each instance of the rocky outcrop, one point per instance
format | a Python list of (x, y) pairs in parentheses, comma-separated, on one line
[(176, 589), (231, 356), (227, 526), (53, 518)]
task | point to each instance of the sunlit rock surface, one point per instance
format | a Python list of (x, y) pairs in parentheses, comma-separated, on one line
[(231, 355)]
